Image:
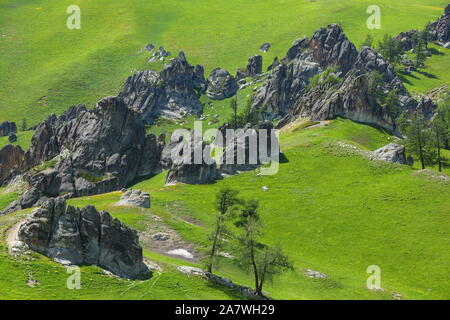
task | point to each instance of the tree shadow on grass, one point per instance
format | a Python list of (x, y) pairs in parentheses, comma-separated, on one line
[(427, 74)]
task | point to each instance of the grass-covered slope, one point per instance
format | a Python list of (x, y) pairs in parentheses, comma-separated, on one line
[(331, 210), (45, 67)]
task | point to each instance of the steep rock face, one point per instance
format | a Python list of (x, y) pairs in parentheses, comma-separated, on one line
[(285, 92), (172, 93), (254, 65), (221, 85), (241, 152), (11, 158), (83, 236), (7, 128)]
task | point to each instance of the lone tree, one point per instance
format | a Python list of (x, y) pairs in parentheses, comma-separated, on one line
[(226, 199), (417, 133), (263, 261)]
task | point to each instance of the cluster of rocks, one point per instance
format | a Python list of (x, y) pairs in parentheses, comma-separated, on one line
[(286, 94), (393, 153), (221, 85), (135, 198), (159, 54), (8, 129), (172, 93), (75, 236), (439, 31)]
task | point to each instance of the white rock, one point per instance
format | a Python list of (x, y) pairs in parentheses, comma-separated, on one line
[(182, 253)]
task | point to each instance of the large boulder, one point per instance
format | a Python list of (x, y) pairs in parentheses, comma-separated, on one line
[(83, 236), (221, 85), (171, 93), (6, 128), (254, 65), (390, 153)]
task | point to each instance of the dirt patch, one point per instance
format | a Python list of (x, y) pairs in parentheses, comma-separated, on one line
[(161, 239)]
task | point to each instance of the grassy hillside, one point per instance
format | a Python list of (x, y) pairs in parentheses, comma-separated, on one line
[(330, 209), (44, 67)]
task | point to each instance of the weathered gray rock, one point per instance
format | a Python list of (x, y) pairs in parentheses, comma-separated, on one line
[(264, 47), (240, 75), (274, 64), (6, 128), (254, 65), (85, 152), (407, 39), (390, 153), (440, 30), (11, 158), (135, 198), (170, 94), (12, 138), (285, 92), (83, 236), (221, 85), (184, 168), (283, 87)]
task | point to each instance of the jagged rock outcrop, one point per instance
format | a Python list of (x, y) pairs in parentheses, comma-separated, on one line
[(241, 152), (286, 93), (221, 85), (283, 87), (11, 158), (135, 198), (171, 93), (83, 236), (254, 65), (439, 31), (6, 128), (390, 153), (407, 39), (274, 64)]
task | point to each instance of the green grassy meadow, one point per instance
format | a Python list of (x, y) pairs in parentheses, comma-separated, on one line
[(331, 209), (340, 213), (46, 67)]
